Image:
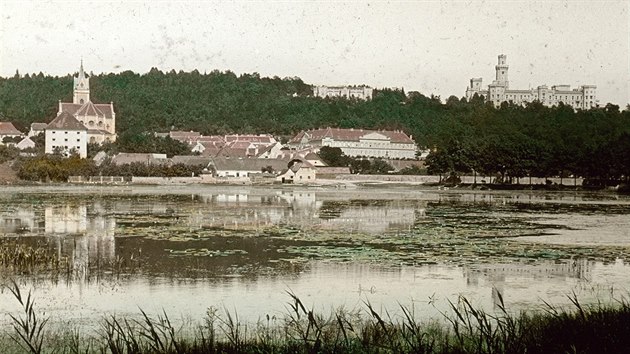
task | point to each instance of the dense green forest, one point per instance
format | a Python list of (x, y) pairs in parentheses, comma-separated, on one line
[(510, 141)]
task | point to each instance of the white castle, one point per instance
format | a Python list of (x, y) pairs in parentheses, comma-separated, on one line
[(583, 97), (359, 92)]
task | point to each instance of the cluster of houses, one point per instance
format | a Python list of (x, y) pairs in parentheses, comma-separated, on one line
[(232, 156)]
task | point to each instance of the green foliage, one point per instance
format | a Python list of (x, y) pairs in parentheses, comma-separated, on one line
[(509, 141), (54, 168), (139, 169), (8, 153)]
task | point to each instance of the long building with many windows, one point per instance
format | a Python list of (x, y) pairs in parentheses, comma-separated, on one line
[(359, 142), (583, 97)]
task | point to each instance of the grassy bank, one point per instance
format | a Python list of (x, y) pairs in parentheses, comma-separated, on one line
[(603, 328)]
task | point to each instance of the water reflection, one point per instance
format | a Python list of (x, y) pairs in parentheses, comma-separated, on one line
[(245, 247)]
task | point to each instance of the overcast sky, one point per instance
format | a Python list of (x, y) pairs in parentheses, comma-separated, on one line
[(434, 47)]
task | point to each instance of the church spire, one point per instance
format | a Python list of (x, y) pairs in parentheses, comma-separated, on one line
[(81, 87), (81, 72)]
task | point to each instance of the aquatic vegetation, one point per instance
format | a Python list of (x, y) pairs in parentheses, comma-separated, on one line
[(601, 328)]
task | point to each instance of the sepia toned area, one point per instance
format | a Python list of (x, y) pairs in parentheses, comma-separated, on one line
[(183, 249)]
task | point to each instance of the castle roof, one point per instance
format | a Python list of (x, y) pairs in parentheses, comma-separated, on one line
[(66, 121)]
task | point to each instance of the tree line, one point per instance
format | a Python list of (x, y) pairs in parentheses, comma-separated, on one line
[(464, 136)]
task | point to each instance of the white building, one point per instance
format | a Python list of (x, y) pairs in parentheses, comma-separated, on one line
[(583, 97), (66, 135), (359, 142), (359, 92), (99, 119)]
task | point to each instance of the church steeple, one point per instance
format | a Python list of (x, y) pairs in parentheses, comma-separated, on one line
[(81, 87)]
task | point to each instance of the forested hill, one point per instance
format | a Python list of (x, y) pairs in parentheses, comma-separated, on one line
[(222, 102)]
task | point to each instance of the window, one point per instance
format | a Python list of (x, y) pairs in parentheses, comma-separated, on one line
[(65, 132), (78, 140), (53, 139), (65, 139)]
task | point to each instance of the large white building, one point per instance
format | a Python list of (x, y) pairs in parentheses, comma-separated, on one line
[(583, 97), (65, 134), (98, 118), (359, 142), (359, 92)]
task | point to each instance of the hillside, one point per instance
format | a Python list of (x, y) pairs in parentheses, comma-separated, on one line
[(511, 141)]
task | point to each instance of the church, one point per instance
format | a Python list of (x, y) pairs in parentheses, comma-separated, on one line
[(98, 118)]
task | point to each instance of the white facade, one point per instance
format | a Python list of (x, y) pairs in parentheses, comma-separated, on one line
[(583, 97), (359, 92), (67, 141), (359, 143)]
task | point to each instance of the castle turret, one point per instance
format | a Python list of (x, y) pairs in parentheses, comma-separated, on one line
[(502, 71), (81, 87)]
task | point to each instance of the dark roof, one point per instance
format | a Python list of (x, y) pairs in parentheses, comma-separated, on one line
[(245, 164), (65, 121), (191, 160), (125, 158), (38, 126)]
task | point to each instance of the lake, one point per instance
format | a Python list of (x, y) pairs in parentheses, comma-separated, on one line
[(184, 249)]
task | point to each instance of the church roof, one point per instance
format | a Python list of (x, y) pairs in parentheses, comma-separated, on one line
[(65, 121), (73, 108), (89, 109)]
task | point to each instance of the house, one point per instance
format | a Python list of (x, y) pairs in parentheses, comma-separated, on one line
[(7, 130), (270, 152), (186, 137), (67, 135), (126, 158), (25, 143), (359, 142), (36, 129), (189, 160), (207, 148), (99, 119), (297, 171), (226, 167)]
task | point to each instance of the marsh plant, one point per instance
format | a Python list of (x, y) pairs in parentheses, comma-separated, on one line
[(602, 328)]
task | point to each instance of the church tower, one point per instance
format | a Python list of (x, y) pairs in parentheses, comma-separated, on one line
[(502, 71), (81, 87)]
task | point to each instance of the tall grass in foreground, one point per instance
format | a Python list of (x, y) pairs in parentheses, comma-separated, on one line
[(603, 328)]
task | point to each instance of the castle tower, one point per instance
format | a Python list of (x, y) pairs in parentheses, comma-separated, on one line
[(81, 87), (502, 71)]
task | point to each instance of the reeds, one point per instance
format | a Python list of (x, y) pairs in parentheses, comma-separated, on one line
[(585, 329)]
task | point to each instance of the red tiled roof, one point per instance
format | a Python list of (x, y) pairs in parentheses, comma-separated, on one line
[(263, 138), (66, 121), (7, 128)]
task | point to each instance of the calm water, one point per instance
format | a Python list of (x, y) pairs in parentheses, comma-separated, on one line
[(185, 249)]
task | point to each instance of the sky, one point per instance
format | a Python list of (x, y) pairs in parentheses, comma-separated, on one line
[(433, 47)]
